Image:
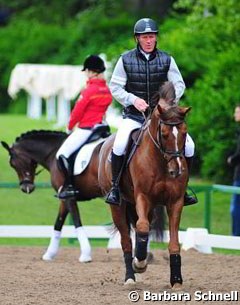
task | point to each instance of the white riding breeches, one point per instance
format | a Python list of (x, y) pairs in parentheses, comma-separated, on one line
[(123, 133), (189, 147), (122, 136), (73, 142)]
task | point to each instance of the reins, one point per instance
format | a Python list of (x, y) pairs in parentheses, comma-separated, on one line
[(39, 171), (158, 143)]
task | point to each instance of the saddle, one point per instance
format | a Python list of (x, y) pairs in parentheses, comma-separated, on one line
[(133, 143), (100, 131)]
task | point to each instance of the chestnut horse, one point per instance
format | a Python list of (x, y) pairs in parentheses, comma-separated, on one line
[(40, 147), (157, 173)]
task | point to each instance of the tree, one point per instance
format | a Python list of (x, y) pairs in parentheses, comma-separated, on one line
[(212, 27)]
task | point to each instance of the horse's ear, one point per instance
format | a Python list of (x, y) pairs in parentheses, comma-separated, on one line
[(186, 109), (160, 109), (6, 146)]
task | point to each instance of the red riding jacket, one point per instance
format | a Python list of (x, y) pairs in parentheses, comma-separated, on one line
[(92, 104)]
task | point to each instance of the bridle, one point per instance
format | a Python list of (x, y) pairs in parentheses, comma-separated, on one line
[(27, 174), (167, 154)]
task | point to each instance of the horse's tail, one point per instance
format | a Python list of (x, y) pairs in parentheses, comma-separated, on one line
[(158, 223), (131, 215), (131, 219)]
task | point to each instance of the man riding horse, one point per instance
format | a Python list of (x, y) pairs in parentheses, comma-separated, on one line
[(136, 78)]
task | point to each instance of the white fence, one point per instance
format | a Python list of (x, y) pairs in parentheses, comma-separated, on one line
[(197, 238)]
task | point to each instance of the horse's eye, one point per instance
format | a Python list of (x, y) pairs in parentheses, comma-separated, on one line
[(164, 134), (184, 129)]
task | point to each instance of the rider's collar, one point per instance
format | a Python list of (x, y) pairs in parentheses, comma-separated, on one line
[(147, 56)]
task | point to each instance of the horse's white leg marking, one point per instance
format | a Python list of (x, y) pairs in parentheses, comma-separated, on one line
[(85, 247), (53, 247)]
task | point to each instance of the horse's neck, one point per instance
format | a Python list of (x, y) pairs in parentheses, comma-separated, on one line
[(43, 152), (149, 144)]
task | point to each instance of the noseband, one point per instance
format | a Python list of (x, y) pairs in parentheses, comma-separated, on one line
[(159, 143)]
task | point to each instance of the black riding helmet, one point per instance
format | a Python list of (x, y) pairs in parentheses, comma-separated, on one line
[(94, 63), (145, 25)]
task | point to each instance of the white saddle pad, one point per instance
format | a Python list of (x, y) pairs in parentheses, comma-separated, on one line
[(83, 157)]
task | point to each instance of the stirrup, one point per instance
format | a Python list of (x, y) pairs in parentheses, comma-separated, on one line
[(113, 197), (66, 193), (189, 200)]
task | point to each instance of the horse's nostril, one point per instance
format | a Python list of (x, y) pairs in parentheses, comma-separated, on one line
[(27, 188)]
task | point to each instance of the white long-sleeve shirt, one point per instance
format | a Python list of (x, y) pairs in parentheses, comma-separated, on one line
[(119, 79)]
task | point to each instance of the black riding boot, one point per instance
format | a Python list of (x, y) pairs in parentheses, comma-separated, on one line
[(113, 196), (188, 199), (67, 191)]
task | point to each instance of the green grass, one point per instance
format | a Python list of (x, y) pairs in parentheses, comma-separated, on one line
[(41, 207), (12, 126)]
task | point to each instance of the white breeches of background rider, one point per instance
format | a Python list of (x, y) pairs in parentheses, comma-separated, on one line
[(123, 133), (73, 142)]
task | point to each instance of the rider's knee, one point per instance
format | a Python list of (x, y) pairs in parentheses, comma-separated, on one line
[(189, 147)]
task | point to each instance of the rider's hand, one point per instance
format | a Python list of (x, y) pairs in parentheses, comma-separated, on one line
[(140, 104)]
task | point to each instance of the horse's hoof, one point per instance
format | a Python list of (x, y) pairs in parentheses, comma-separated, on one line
[(85, 259), (129, 282), (48, 257), (139, 266), (177, 287), (150, 258)]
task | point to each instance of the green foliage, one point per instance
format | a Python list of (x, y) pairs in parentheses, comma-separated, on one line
[(206, 48), (33, 37)]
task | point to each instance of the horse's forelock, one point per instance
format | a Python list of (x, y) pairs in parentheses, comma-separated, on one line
[(173, 112)]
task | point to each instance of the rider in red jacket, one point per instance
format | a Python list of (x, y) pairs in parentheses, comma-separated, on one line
[(92, 104), (88, 111)]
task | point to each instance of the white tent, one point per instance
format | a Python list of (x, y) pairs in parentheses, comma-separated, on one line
[(56, 84)]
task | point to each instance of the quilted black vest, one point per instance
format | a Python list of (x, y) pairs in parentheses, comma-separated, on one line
[(144, 77)]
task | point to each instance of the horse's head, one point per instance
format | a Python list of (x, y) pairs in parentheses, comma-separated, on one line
[(171, 137), (170, 129), (24, 166)]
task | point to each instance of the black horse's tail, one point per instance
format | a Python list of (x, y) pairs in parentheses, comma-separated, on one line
[(131, 215), (158, 221)]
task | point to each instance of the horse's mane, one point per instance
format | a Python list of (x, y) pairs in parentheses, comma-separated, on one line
[(167, 98), (166, 94), (41, 133)]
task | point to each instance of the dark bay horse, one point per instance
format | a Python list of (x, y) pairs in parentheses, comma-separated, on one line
[(40, 147), (157, 173)]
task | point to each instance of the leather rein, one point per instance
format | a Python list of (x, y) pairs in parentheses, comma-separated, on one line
[(159, 143)]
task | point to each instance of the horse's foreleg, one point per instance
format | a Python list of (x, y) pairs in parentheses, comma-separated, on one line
[(85, 247), (53, 247), (142, 234), (174, 214), (119, 219)]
